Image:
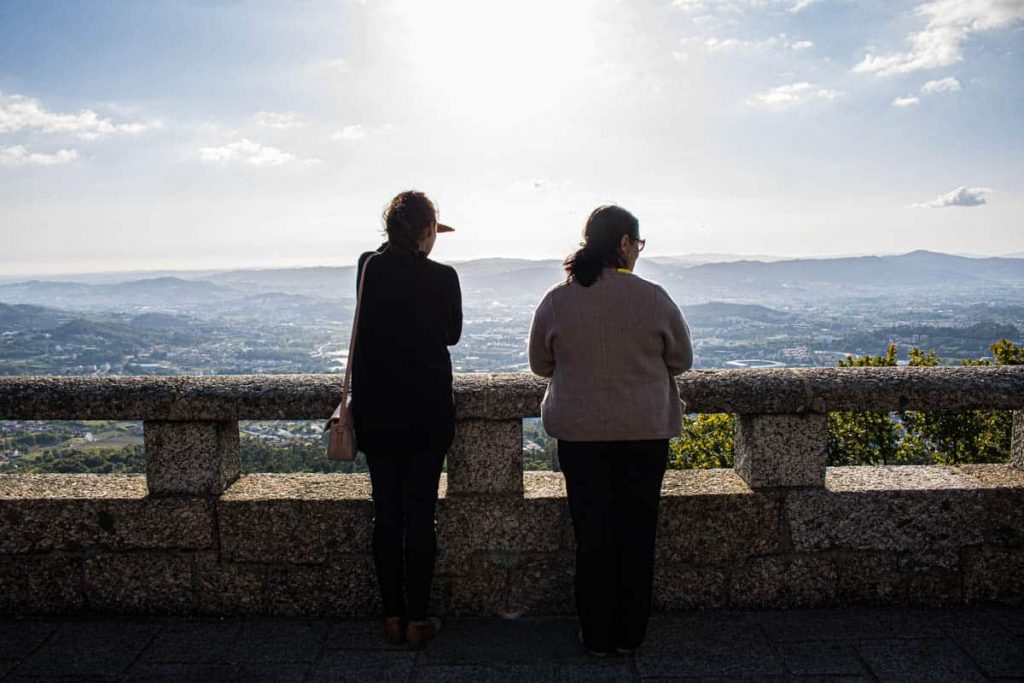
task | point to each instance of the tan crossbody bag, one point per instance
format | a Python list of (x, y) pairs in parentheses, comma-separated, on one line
[(341, 439)]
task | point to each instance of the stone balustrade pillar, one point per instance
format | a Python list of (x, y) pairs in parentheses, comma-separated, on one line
[(1017, 443), (191, 458), (486, 458), (781, 450)]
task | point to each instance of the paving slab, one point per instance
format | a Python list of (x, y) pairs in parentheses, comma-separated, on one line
[(490, 641), (198, 642), (918, 660), (359, 634), (361, 666), (504, 673), (279, 640), (849, 624), (274, 672), (174, 673), (615, 669), (820, 657), (93, 648), (804, 645), (665, 629), (983, 636), (1013, 620), (746, 655), (16, 677), (18, 637)]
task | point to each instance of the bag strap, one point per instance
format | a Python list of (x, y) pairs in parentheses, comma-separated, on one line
[(352, 343)]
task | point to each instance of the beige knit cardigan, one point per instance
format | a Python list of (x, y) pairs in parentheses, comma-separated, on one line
[(611, 351)]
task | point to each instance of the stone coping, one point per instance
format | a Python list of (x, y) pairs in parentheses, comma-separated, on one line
[(537, 485), (508, 396), (73, 487)]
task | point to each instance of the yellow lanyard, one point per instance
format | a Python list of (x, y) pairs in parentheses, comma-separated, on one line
[(627, 271)]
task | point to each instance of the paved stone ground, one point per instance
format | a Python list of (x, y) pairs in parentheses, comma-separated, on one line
[(807, 645)]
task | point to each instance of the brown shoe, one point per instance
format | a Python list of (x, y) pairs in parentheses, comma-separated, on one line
[(395, 629), (417, 633)]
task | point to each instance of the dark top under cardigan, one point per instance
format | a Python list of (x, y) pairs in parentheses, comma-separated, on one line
[(402, 398)]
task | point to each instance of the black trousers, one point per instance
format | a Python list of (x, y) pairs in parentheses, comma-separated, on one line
[(404, 541), (614, 489)]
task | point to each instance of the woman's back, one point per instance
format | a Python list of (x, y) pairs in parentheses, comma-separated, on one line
[(402, 373), (611, 350)]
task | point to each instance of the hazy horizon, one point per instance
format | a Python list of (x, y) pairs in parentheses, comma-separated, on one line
[(696, 258), (193, 135)]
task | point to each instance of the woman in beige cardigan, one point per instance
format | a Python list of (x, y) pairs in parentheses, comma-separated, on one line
[(611, 343)]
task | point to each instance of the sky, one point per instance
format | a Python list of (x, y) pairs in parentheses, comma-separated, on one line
[(233, 134)]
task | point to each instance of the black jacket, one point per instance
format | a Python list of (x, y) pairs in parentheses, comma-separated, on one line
[(402, 373)]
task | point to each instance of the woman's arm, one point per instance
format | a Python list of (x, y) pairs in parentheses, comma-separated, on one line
[(542, 358), (678, 352), (455, 311)]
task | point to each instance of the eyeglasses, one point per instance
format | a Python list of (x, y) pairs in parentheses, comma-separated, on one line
[(640, 244)]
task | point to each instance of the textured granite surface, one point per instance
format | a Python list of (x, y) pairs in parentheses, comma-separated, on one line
[(781, 450), (486, 457), (507, 396), (191, 458), (301, 544), (1017, 446)]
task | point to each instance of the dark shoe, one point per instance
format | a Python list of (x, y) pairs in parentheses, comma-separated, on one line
[(417, 633), (593, 653), (395, 629)]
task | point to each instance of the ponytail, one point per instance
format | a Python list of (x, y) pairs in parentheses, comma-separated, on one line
[(600, 247), (585, 265)]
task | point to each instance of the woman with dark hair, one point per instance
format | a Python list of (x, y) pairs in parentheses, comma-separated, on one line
[(403, 405), (611, 343)]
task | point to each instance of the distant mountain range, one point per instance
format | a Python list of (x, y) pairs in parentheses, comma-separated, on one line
[(519, 281)]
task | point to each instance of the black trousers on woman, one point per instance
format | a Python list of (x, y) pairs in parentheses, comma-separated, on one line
[(404, 541), (614, 489)]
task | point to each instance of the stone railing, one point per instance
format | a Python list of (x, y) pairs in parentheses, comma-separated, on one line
[(782, 530)]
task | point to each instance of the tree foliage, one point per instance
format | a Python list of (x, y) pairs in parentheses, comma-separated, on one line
[(864, 438), (878, 438), (953, 437), (706, 442)]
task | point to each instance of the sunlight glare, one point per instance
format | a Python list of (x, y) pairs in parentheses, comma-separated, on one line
[(506, 62)]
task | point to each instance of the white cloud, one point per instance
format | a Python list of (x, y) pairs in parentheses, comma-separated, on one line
[(724, 46), (350, 133), (252, 153), (961, 196), (792, 95), (739, 6), (948, 23), (800, 5), (908, 101), (690, 5), (948, 84), (18, 112), (17, 155), (280, 120), (358, 131)]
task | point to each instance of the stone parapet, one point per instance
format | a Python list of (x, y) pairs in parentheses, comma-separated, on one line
[(301, 544), (509, 396), (781, 530)]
